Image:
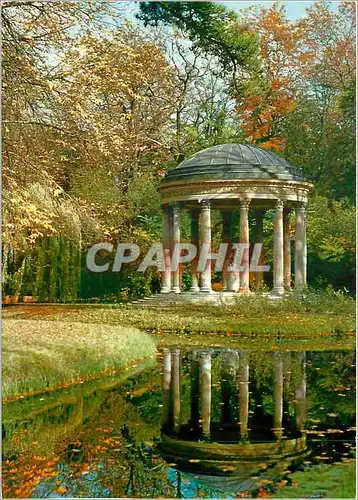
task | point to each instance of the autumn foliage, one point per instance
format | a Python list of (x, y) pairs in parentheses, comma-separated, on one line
[(296, 57)]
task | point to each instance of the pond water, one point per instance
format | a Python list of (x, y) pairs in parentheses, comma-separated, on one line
[(210, 423)]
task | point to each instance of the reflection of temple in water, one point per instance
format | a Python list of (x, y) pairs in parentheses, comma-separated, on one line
[(222, 424)]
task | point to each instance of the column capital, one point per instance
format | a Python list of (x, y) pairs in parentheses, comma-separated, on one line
[(280, 204), (206, 353), (301, 206), (175, 205), (245, 204), (205, 204)]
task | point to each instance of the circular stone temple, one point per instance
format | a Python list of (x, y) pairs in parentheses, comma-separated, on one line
[(233, 178)]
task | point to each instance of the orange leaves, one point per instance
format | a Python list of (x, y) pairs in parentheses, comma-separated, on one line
[(259, 116), (319, 48), (28, 474), (61, 490), (263, 109), (274, 144)]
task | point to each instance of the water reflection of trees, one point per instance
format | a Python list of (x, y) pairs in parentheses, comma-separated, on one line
[(227, 410), (99, 439)]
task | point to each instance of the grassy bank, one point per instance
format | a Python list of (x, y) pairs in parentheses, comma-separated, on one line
[(311, 315), (46, 346), (43, 354), (336, 480)]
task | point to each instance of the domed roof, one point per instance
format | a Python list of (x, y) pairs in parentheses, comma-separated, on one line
[(234, 161)]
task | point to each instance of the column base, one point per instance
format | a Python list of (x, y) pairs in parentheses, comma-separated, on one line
[(244, 291), (175, 289), (165, 289), (206, 290), (278, 290), (233, 283), (278, 433), (194, 289)]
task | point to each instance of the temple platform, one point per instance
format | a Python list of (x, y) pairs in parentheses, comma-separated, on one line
[(172, 299)]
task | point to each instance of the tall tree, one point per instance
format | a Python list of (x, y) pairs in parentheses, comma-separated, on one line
[(302, 103), (210, 27)]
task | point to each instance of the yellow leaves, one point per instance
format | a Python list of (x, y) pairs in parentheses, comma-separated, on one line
[(57, 192)]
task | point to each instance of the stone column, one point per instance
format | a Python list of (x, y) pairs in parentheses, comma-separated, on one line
[(278, 250), (229, 361), (176, 240), (300, 247), (244, 396), (259, 238), (167, 367), (194, 389), (176, 388), (300, 393), (205, 233), (195, 241), (287, 389), (205, 393), (166, 275), (226, 238), (245, 238), (278, 396), (286, 249)]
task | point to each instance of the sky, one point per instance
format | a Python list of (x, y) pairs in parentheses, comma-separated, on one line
[(294, 8)]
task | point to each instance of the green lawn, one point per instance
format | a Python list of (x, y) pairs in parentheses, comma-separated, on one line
[(44, 346), (220, 319), (41, 354), (311, 315)]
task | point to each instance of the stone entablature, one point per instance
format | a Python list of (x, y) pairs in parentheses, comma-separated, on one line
[(235, 189)]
